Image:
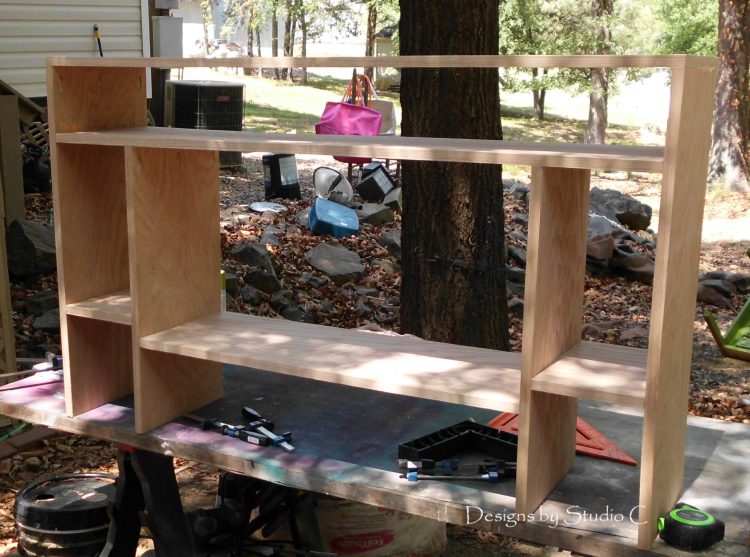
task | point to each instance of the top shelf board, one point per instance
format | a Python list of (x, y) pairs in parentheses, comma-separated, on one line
[(443, 61), (562, 155)]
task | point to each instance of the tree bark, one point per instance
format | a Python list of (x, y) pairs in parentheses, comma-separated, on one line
[(372, 29), (287, 35), (453, 274), (250, 34), (303, 29), (207, 15), (539, 94), (729, 158), (275, 34), (596, 129)]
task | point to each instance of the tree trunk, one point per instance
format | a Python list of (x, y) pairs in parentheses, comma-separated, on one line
[(729, 157), (453, 274), (207, 7), (372, 29), (287, 35), (303, 28), (275, 34), (597, 125), (250, 34), (257, 44), (292, 34), (540, 94)]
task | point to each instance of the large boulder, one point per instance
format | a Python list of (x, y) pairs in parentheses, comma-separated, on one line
[(31, 248), (334, 260), (391, 241), (620, 208)]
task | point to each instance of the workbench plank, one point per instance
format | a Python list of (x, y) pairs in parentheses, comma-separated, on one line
[(382, 362), (433, 61), (597, 371), (563, 155), (114, 308)]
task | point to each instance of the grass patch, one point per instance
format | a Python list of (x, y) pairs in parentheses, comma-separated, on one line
[(269, 119)]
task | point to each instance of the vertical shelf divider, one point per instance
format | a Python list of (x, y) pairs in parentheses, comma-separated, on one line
[(90, 224), (558, 220), (670, 340), (173, 229)]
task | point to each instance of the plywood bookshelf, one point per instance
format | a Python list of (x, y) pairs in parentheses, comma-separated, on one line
[(138, 280)]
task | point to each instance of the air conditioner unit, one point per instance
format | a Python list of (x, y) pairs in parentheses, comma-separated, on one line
[(206, 105)]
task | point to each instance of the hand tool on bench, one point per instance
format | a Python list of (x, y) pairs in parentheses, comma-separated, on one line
[(264, 426), (238, 432), (492, 476), (425, 464)]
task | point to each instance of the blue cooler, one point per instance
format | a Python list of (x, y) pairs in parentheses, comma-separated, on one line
[(329, 217)]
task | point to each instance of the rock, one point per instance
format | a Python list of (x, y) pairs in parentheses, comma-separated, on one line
[(251, 295), (391, 240), (745, 401), (514, 288), (518, 235), (620, 207), (363, 310), (600, 247), (515, 305), (390, 308), (282, 299), (514, 274), (263, 280), (334, 260), (254, 255), (599, 330), (375, 214), (634, 333), (520, 218), (389, 265), (269, 236), (302, 217), (296, 313), (633, 264), (49, 322), (31, 248), (599, 225), (723, 287), (231, 283), (519, 254), (394, 200), (366, 291), (520, 192), (313, 281), (42, 302), (740, 281), (707, 295), (326, 305), (235, 216)]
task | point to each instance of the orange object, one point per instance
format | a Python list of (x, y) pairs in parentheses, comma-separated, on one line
[(589, 440)]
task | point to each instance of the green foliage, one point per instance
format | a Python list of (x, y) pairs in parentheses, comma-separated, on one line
[(689, 27), (569, 27)]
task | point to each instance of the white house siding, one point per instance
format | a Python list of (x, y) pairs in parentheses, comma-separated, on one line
[(32, 30)]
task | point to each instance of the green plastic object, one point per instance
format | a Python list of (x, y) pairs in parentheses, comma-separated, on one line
[(736, 342)]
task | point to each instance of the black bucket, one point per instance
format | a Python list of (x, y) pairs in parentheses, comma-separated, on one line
[(280, 177), (64, 516)]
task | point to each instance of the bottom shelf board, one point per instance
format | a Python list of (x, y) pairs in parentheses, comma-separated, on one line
[(115, 308), (380, 361), (597, 371)]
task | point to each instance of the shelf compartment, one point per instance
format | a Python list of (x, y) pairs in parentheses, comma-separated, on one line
[(382, 362), (114, 308), (597, 371), (562, 155)]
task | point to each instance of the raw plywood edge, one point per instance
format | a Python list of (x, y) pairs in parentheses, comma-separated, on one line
[(438, 61)]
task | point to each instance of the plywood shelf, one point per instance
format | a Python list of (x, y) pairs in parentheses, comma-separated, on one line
[(113, 308), (563, 155), (392, 364), (597, 371)]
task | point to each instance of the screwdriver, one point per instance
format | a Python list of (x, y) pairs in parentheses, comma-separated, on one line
[(491, 476)]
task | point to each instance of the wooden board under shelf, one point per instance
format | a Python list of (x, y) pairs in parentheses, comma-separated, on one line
[(114, 308), (383, 362), (562, 155), (597, 371)]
